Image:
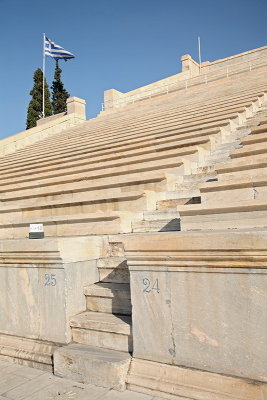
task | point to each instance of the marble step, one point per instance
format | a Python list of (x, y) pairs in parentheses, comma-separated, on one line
[(113, 269), (107, 137), (222, 153), (153, 124), (91, 167), (160, 215), (173, 203), (226, 147), (250, 150), (241, 167), (85, 203), (185, 190), (158, 221), (156, 226), (157, 162), (112, 298), (249, 214), (204, 170), (239, 134), (102, 187), (106, 134), (202, 176), (70, 225), (259, 138), (229, 191), (215, 159), (88, 364), (103, 330), (260, 128)]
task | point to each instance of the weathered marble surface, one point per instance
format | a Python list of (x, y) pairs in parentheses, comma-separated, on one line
[(41, 286), (212, 321), (192, 308), (38, 302), (95, 365)]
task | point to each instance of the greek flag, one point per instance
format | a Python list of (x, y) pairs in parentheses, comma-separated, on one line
[(55, 51)]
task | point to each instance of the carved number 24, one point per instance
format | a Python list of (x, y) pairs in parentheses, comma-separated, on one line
[(149, 287)]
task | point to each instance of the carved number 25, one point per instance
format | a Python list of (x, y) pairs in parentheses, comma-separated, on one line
[(149, 287), (50, 280)]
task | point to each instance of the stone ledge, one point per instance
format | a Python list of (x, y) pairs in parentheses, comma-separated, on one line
[(247, 182), (196, 250), (174, 382), (218, 208), (25, 351), (52, 251)]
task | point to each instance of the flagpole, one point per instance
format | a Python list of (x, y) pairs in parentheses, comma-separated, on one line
[(199, 54), (43, 113)]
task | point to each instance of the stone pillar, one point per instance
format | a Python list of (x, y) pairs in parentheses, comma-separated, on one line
[(189, 65), (75, 105), (112, 99)]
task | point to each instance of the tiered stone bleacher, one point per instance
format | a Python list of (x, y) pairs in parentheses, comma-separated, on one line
[(93, 184), (237, 199), (107, 177)]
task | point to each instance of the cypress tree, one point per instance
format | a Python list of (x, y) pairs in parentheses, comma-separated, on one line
[(35, 107), (59, 93)]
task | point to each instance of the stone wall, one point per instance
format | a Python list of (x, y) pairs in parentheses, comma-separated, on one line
[(199, 300), (45, 127), (191, 75), (246, 57)]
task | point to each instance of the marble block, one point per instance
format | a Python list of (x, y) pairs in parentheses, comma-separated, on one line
[(41, 285), (191, 307)]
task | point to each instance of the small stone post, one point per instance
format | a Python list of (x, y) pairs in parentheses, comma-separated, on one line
[(75, 105)]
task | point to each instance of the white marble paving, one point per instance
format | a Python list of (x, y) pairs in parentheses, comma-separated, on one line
[(18, 382)]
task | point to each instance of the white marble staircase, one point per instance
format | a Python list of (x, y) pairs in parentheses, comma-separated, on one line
[(102, 335), (166, 217)]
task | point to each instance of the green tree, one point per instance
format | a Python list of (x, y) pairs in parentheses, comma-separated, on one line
[(35, 108), (59, 94)]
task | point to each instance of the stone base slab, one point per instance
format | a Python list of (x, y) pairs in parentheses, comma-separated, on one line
[(29, 352), (88, 364), (174, 382)]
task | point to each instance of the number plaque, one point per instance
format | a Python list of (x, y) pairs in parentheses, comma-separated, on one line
[(36, 231)]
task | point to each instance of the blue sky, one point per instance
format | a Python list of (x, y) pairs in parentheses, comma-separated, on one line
[(118, 44)]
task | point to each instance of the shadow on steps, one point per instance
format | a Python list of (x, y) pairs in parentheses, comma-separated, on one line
[(173, 225)]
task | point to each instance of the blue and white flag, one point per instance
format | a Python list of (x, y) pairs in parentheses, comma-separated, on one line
[(55, 51)]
